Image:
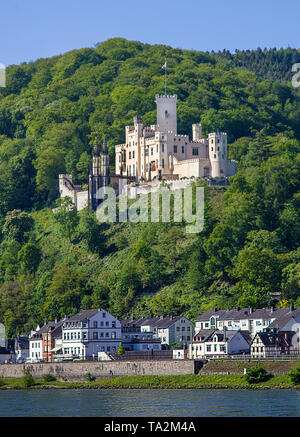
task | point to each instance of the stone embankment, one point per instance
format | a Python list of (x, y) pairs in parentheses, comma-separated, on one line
[(72, 371), (276, 367)]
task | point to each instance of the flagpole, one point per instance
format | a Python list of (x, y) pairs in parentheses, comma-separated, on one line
[(165, 76)]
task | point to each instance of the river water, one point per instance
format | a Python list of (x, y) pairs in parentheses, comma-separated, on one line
[(145, 402)]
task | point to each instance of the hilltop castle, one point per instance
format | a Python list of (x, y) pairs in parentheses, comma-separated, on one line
[(152, 153), (159, 152)]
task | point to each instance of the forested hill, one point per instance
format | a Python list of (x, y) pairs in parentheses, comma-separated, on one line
[(50, 112), (269, 64)]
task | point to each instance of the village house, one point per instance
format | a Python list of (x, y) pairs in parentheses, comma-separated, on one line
[(36, 347), (271, 344), (213, 343), (245, 319), (170, 330), (52, 339), (133, 339), (21, 348), (89, 332)]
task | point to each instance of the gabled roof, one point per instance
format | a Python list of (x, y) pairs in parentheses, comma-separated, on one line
[(159, 322), (82, 315), (208, 335), (282, 320), (281, 338), (246, 313)]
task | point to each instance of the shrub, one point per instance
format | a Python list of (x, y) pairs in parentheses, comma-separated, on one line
[(90, 377), (121, 350), (294, 375), (27, 380), (48, 377), (256, 374)]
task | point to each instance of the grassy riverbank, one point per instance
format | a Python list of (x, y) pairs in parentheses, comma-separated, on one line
[(155, 381)]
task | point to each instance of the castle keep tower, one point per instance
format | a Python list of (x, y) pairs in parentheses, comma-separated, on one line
[(166, 113), (217, 144)]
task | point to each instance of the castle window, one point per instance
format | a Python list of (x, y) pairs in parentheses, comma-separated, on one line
[(129, 155), (215, 156), (133, 154), (182, 149), (163, 163), (212, 149), (162, 147), (212, 141), (151, 150), (218, 148), (175, 149), (218, 140), (221, 171), (195, 152)]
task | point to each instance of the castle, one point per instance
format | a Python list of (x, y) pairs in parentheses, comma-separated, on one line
[(158, 152), (151, 154)]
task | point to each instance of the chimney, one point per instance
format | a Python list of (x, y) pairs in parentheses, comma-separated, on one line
[(250, 310)]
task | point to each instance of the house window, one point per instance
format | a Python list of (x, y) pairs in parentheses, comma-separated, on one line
[(104, 315), (95, 325), (113, 334), (95, 335), (208, 348), (113, 324)]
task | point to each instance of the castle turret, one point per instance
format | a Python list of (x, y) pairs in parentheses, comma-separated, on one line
[(217, 143), (197, 132), (166, 113), (94, 177), (105, 176)]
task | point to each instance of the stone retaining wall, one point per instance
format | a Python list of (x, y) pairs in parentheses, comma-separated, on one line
[(75, 371)]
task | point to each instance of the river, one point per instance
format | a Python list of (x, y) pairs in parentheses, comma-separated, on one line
[(145, 402)]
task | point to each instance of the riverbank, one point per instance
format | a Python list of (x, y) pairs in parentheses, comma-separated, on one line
[(158, 382)]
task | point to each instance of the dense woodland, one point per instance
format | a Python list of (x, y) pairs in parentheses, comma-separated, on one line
[(53, 265)]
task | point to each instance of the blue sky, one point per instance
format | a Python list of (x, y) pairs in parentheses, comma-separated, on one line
[(32, 29)]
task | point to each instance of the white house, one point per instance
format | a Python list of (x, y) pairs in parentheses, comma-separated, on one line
[(173, 329), (36, 347), (89, 332), (245, 319), (214, 343)]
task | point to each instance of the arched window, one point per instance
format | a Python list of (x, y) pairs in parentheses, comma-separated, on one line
[(212, 322)]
